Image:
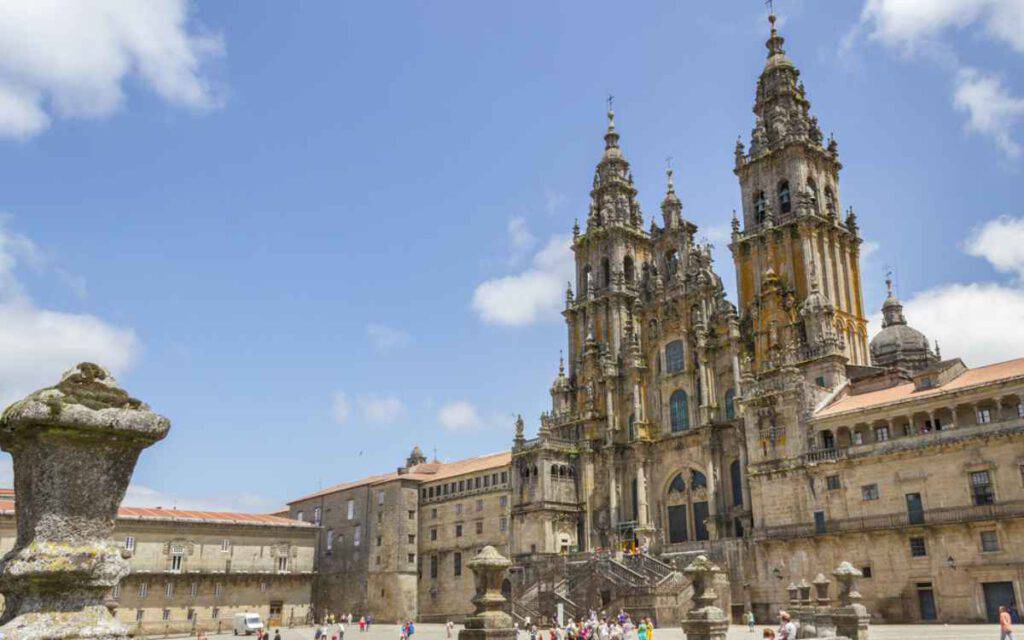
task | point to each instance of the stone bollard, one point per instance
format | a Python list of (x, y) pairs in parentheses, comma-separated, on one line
[(821, 585), (851, 618), (489, 620), (74, 447), (704, 621), (805, 592)]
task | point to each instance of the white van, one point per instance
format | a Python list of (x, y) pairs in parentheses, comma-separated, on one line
[(246, 623)]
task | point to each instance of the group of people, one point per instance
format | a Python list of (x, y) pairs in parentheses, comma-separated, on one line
[(333, 627), (620, 627), (787, 628)]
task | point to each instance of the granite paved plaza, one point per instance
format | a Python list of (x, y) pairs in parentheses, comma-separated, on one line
[(878, 632)]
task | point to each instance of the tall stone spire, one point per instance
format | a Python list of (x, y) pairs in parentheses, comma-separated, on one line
[(781, 104), (613, 198), (789, 183), (671, 206)]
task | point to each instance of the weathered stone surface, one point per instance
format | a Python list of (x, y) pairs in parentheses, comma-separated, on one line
[(489, 621), (705, 621), (74, 447)]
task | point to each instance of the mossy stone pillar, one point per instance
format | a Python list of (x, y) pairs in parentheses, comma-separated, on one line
[(489, 621), (74, 447), (704, 621)]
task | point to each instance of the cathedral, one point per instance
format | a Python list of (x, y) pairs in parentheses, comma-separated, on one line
[(769, 434)]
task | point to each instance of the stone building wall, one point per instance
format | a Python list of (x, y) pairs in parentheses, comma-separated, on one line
[(229, 563), (483, 517)]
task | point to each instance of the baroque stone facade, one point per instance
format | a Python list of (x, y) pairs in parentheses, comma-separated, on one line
[(768, 435)]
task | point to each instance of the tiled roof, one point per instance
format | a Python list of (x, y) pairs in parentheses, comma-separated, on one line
[(178, 515), (426, 472), (906, 392)]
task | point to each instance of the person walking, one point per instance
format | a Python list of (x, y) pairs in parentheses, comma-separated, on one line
[(1005, 624), (787, 629), (362, 623), (448, 626), (748, 617)]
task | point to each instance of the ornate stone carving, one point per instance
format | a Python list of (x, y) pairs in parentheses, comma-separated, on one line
[(489, 620)]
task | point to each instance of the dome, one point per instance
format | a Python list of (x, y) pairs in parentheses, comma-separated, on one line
[(898, 344)]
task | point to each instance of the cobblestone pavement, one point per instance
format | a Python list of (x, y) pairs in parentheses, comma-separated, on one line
[(878, 632)]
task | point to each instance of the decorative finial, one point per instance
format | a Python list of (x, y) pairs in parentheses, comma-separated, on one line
[(611, 112), (888, 282), (669, 172), (561, 363)]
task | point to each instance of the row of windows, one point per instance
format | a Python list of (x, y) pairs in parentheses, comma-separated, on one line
[(456, 565), (982, 489), (190, 614), (882, 433), (129, 544), (193, 589), (784, 200), (988, 542), (478, 525), (470, 484)]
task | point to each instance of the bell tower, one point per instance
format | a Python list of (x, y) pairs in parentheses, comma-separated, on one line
[(797, 257)]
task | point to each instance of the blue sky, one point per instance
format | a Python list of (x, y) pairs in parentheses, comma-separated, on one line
[(314, 238)]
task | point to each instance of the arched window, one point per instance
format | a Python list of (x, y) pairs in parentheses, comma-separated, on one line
[(784, 205), (632, 426), (627, 269), (828, 441), (679, 410), (607, 272), (736, 480), (730, 404), (830, 201), (760, 206), (585, 282), (674, 357), (698, 480), (687, 508), (812, 186)]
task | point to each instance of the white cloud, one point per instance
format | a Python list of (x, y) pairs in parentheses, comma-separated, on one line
[(979, 322), (70, 59), (341, 408), (992, 111), (386, 338), (538, 293), (380, 409), (916, 27), (912, 24), (868, 248), (1001, 242), (37, 345), (520, 239), (369, 408), (459, 415)]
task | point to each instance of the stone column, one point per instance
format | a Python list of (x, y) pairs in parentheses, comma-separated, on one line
[(74, 447), (704, 621), (489, 620), (613, 496), (644, 530)]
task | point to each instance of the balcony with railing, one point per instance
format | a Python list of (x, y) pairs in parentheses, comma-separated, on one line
[(901, 520)]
